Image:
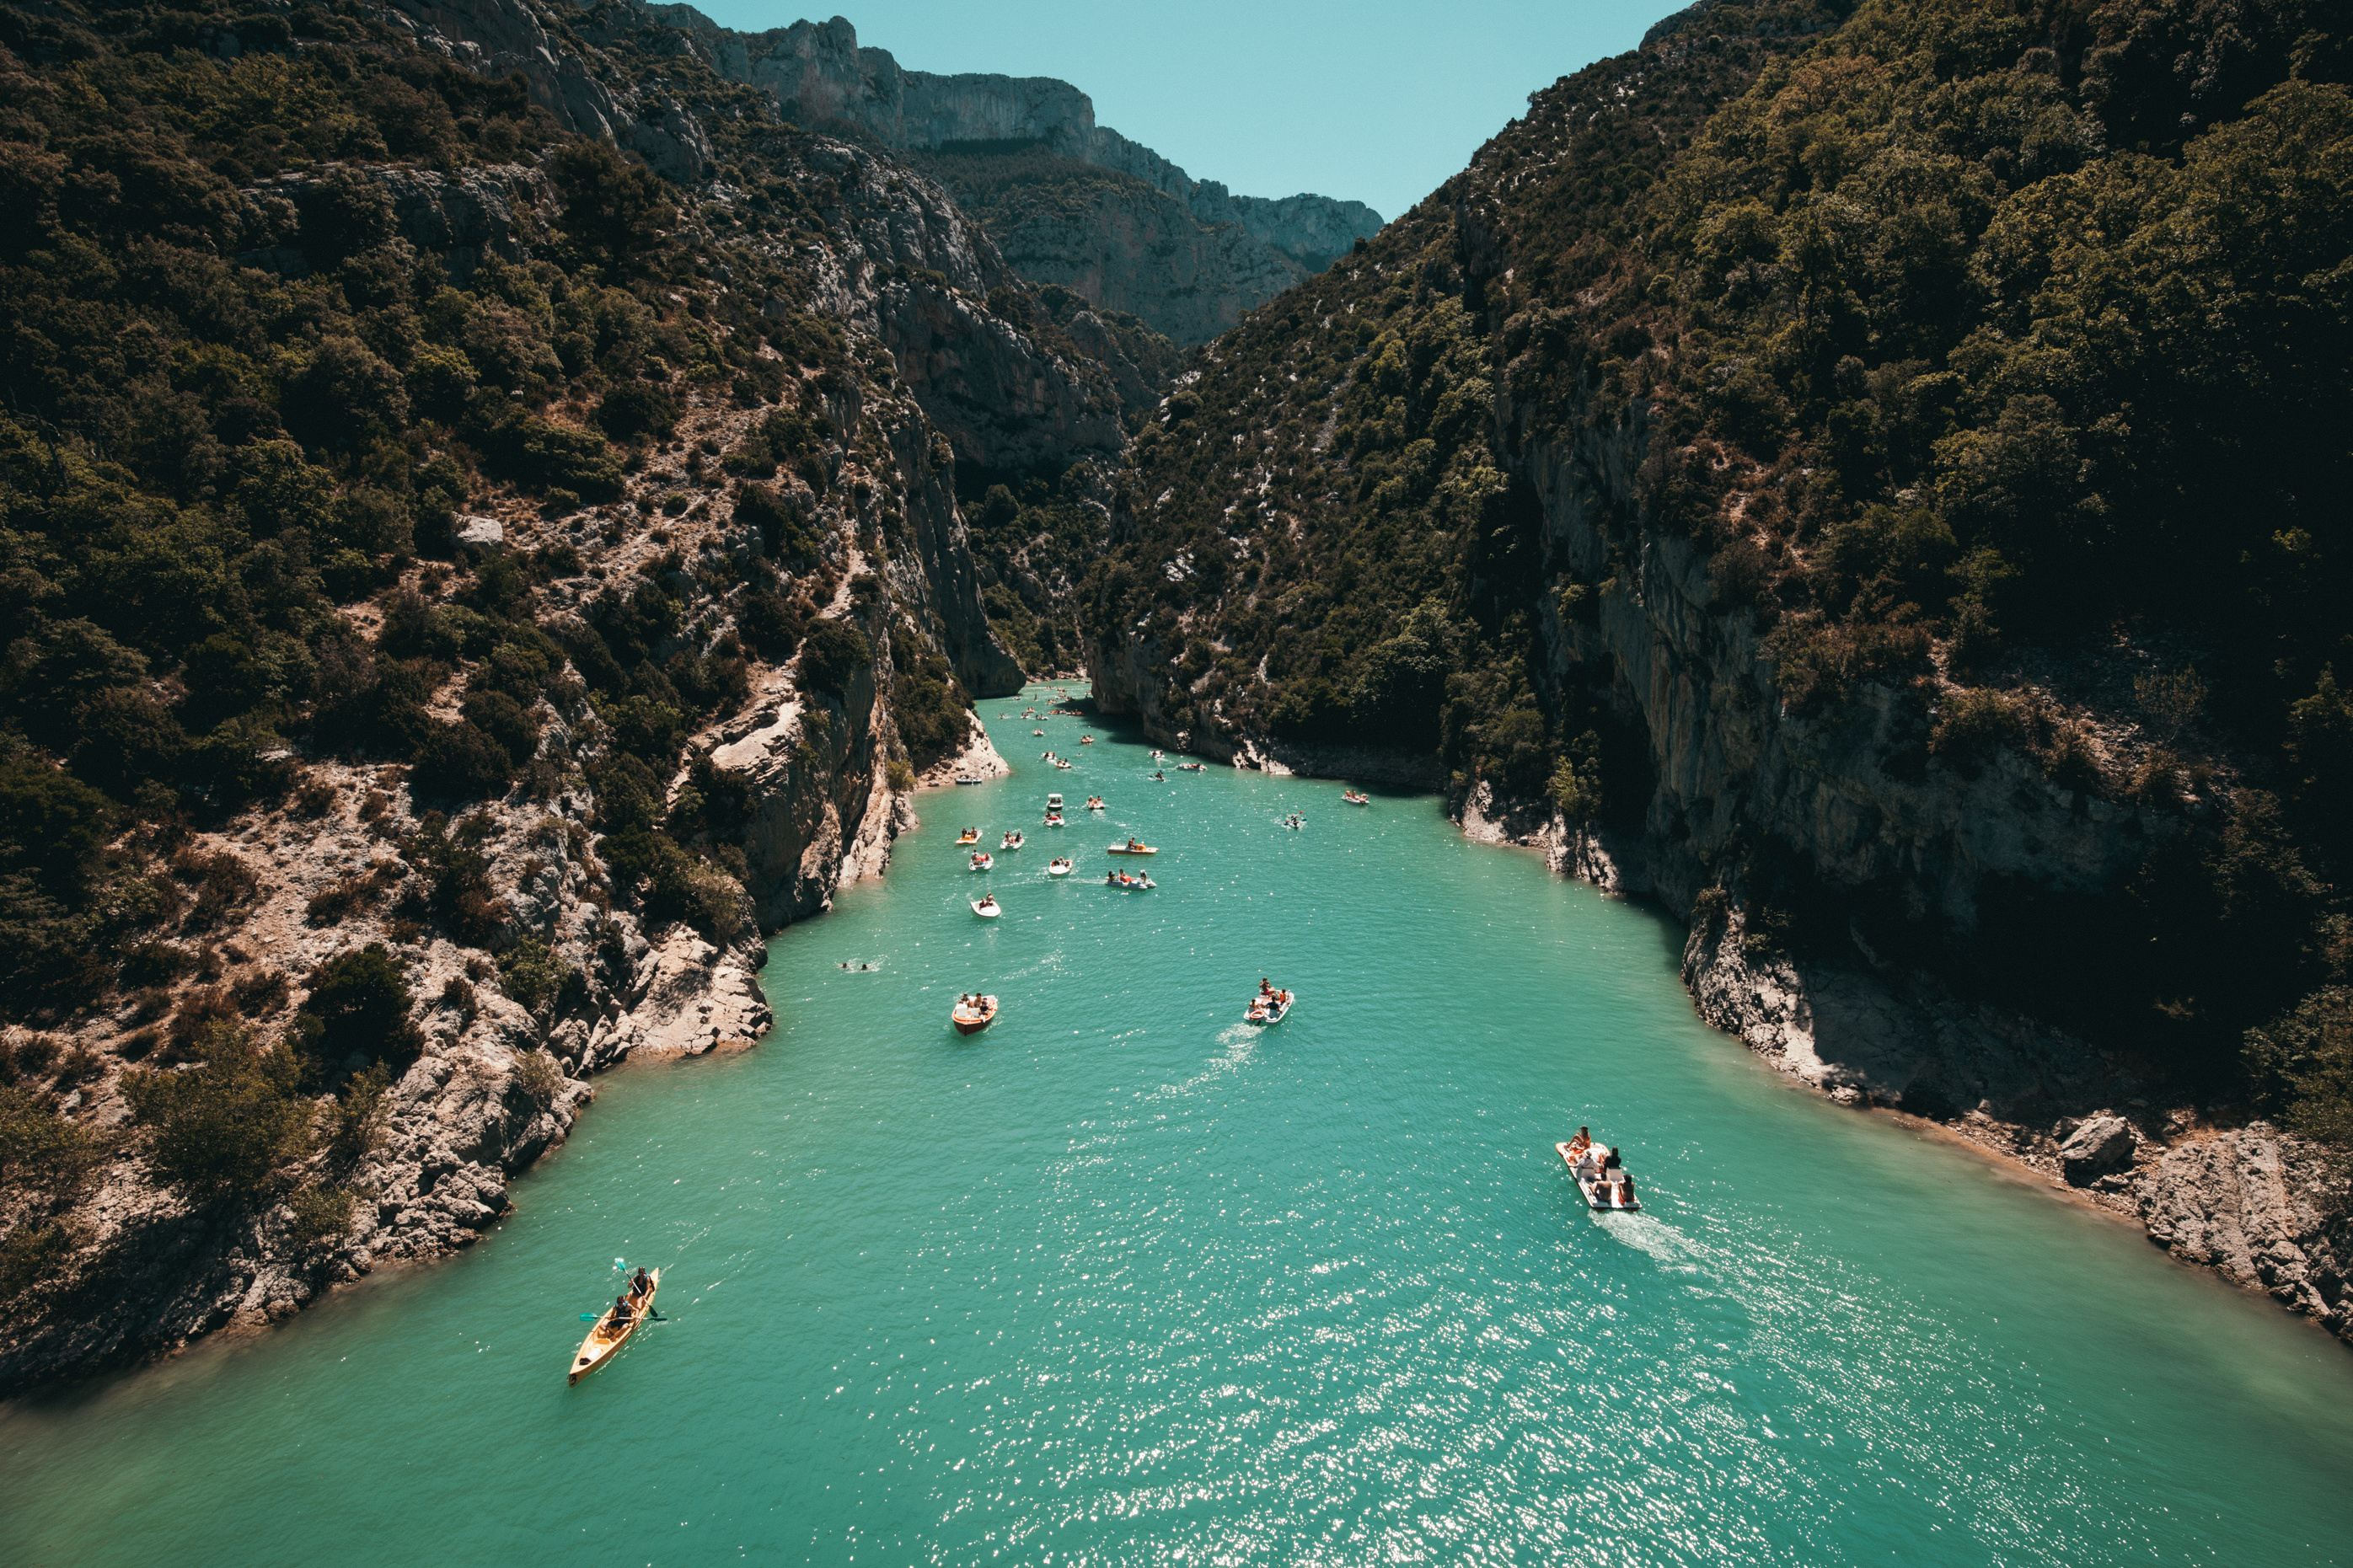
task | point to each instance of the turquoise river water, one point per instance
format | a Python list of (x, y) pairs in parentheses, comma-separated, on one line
[(1122, 1280)]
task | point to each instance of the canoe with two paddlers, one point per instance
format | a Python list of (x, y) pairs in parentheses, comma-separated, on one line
[(610, 1336)]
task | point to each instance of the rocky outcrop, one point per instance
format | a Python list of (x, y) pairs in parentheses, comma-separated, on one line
[(1186, 255), (1138, 249), (2268, 1212), (461, 216), (917, 275), (1853, 792), (2256, 1206), (566, 74)]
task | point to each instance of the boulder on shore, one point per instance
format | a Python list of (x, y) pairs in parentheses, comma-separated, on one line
[(2100, 1145)]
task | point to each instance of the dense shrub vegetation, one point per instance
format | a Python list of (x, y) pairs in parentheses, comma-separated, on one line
[(1956, 334), (237, 410)]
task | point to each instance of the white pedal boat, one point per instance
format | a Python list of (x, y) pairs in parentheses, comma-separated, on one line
[(1598, 1194)]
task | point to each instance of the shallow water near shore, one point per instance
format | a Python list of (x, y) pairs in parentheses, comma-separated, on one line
[(1123, 1280)]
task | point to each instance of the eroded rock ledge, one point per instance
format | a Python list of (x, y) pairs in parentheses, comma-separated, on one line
[(2264, 1209)]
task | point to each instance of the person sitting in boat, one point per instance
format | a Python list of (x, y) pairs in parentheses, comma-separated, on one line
[(623, 1311), (1580, 1143), (640, 1285), (1625, 1189)]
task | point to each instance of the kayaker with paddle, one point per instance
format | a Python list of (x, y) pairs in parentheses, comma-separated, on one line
[(640, 1285)]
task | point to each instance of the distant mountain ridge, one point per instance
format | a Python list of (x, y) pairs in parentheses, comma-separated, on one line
[(1133, 255)]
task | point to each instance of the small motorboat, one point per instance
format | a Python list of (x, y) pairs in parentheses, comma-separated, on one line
[(1133, 846), (1038, 731), (1158, 755), (1054, 801), (969, 836), (1127, 884), (1094, 802), (1060, 764), (609, 1336), (971, 1014), (966, 779), (1268, 1007), (1013, 839), (982, 861), (1601, 1190), (987, 907), (1353, 798), (1054, 821), (1058, 867), (1191, 767), (1047, 757), (1086, 740)]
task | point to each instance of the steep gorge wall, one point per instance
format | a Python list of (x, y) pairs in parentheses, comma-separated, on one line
[(932, 377), (1186, 255), (1904, 842)]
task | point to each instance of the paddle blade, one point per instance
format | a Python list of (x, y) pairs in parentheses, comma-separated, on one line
[(590, 1317)]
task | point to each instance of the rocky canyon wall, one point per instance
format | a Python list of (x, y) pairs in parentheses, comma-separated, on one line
[(1186, 255)]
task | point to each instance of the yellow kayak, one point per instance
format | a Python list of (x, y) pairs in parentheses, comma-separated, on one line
[(607, 1336)]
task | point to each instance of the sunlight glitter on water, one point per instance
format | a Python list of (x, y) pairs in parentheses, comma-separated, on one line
[(1122, 1280)]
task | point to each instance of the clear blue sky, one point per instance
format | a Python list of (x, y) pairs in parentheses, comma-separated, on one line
[(1376, 101)]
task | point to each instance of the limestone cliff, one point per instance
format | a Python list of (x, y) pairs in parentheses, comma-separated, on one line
[(1185, 255), (893, 366), (1436, 491)]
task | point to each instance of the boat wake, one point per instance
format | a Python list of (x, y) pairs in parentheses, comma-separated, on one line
[(1648, 1233), (1238, 1040)]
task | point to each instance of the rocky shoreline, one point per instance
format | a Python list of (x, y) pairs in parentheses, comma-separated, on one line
[(2264, 1209)]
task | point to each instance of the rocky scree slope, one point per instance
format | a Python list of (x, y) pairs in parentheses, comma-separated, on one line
[(464, 589), (1069, 202), (1722, 481)]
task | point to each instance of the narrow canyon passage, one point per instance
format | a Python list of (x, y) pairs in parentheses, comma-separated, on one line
[(1122, 1280)]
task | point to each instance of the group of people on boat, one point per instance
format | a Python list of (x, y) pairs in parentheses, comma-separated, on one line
[(1593, 1163), (1294, 820), (985, 903), (1122, 879), (627, 1309), (1269, 1004)]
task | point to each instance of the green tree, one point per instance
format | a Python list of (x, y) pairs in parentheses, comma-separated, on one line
[(228, 1128), (613, 210), (358, 1004)]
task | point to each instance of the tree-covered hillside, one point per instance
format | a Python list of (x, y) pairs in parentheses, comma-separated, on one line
[(1994, 354), (394, 482)]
